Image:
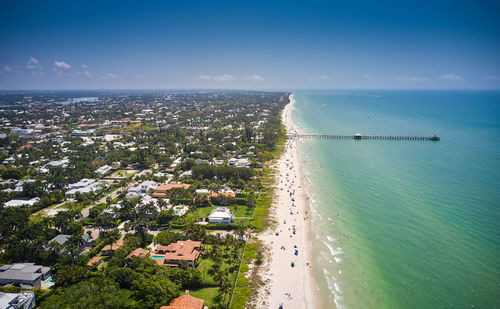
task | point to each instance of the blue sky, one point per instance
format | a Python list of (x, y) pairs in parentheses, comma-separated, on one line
[(249, 44)]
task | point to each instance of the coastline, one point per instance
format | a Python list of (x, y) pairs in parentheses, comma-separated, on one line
[(294, 287)]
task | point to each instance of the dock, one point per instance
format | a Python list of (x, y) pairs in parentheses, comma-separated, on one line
[(358, 136)]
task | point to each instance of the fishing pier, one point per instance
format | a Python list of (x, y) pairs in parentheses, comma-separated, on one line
[(358, 136)]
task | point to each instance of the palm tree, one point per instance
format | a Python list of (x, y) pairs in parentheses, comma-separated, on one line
[(112, 237)]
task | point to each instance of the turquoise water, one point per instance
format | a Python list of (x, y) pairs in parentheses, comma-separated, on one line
[(49, 281), (404, 224), (154, 257)]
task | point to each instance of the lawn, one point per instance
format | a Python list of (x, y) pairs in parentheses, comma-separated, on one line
[(124, 173), (238, 211), (207, 294)]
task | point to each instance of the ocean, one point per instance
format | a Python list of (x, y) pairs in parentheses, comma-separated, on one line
[(404, 224)]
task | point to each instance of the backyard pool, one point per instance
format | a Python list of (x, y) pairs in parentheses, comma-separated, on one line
[(49, 281), (154, 257)]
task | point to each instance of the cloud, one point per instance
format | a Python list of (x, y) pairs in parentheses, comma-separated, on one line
[(34, 67), (452, 77), (219, 78), (321, 77), (109, 76), (6, 69), (62, 65), (255, 77), (85, 72), (411, 78), (366, 76), (33, 64), (491, 77), (84, 66)]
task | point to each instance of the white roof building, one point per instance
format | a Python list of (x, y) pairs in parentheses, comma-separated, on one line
[(21, 202), (103, 170), (221, 215)]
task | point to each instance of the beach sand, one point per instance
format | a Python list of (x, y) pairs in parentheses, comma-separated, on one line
[(294, 287)]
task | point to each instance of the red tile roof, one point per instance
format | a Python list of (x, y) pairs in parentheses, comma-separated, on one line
[(185, 301), (116, 246), (184, 250), (137, 252), (95, 259)]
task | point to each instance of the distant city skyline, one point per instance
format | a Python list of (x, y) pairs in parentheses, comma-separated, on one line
[(250, 45)]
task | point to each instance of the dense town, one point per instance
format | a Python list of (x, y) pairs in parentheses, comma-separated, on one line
[(134, 199)]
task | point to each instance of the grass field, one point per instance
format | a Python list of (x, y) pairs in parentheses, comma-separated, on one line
[(206, 294), (123, 174)]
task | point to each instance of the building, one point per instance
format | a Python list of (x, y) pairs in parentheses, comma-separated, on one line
[(87, 241), (221, 215), (21, 131), (238, 162), (161, 191), (186, 175), (26, 275), (185, 250), (89, 132), (85, 185), (186, 301), (110, 249), (144, 187), (103, 170), (22, 202), (96, 260), (139, 252), (21, 300)]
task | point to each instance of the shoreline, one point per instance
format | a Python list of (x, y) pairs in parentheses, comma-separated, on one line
[(294, 287)]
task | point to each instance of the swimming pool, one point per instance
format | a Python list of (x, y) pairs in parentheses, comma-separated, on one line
[(154, 257), (49, 281)]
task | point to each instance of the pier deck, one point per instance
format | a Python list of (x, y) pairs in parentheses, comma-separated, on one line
[(374, 137)]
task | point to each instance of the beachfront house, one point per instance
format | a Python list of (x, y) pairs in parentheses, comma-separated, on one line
[(184, 250), (221, 215)]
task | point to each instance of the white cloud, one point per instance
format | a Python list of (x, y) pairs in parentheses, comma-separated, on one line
[(62, 65), (255, 77), (111, 75), (452, 77), (491, 77), (85, 72), (366, 76), (84, 66), (6, 69), (219, 78), (322, 77), (411, 78), (33, 64)]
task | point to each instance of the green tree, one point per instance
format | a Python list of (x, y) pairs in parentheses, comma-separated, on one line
[(96, 293)]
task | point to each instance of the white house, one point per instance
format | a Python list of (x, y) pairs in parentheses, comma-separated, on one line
[(22, 299), (21, 202), (238, 162), (85, 185), (143, 188), (221, 215), (103, 170)]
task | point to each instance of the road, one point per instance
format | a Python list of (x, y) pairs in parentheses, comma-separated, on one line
[(112, 195)]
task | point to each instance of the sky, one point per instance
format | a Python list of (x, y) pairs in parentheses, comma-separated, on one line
[(249, 44)]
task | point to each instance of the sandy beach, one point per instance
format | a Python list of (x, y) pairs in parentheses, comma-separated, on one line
[(289, 242)]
